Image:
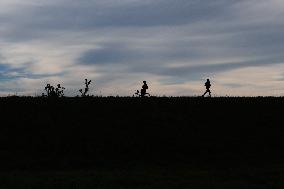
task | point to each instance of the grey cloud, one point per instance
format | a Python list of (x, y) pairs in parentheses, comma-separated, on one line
[(68, 15), (151, 61), (232, 85), (7, 72), (136, 54), (110, 54), (192, 33), (214, 68), (37, 21)]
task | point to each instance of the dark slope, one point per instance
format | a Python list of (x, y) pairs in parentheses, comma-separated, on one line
[(240, 136), (75, 133)]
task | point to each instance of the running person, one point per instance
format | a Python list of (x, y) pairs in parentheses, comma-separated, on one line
[(144, 88), (207, 85)]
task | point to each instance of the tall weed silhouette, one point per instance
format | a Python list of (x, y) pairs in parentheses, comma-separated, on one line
[(86, 90)]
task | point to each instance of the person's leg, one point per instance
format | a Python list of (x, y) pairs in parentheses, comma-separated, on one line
[(142, 93)]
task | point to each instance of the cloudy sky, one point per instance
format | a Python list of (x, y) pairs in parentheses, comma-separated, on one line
[(173, 44)]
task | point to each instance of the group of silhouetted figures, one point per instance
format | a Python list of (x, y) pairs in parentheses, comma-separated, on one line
[(143, 93), (58, 91)]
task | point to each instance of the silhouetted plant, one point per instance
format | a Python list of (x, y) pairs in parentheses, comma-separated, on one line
[(54, 92), (59, 91), (84, 93), (139, 94), (136, 94)]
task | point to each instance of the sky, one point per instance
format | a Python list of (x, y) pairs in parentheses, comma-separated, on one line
[(175, 45)]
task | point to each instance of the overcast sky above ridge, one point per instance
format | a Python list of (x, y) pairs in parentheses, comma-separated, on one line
[(173, 44)]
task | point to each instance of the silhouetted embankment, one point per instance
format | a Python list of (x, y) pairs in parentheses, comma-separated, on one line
[(69, 134)]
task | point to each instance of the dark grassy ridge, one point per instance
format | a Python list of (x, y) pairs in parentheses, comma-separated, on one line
[(142, 143)]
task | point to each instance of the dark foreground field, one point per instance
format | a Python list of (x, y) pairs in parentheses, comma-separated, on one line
[(142, 143)]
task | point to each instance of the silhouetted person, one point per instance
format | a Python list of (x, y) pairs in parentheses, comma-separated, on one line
[(207, 85), (144, 88)]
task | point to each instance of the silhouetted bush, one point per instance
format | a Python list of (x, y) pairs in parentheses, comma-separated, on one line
[(136, 94), (54, 92)]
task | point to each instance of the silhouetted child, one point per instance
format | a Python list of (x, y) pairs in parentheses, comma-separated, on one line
[(144, 88), (207, 85)]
